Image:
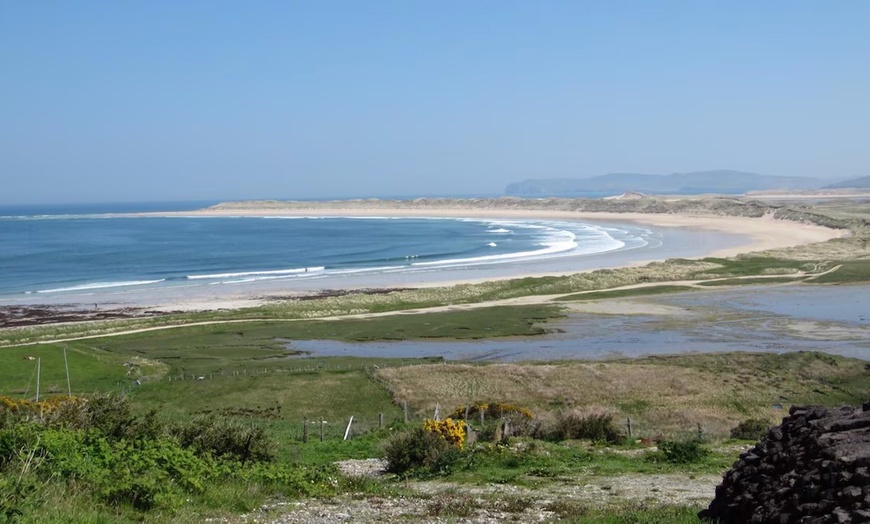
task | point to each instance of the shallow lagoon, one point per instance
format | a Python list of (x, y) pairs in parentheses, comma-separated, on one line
[(833, 319)]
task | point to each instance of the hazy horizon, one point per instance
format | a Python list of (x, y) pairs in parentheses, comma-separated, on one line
[(211, 101)]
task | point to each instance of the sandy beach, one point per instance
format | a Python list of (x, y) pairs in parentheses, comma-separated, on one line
[(682, 235), (761, 233)]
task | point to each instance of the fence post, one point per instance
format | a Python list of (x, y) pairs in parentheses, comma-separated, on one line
[(305, 430), (380, 421), (347, 430), (437, 415), (405, 410), (628, 425)]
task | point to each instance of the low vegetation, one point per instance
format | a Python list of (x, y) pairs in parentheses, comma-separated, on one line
[(67, 453), (661, 395)]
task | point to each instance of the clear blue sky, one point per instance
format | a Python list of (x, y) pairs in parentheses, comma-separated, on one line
[(165, 100)]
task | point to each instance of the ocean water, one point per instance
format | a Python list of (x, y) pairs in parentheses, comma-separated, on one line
[(80, 250)]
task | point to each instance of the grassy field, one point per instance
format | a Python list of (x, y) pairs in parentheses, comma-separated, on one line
[(662, 395), (623, 293), (751, 281), (850, 271)]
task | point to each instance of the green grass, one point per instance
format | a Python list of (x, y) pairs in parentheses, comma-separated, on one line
[(624, 293), (625, 513), (531, 462), (750, 266), (750, 281), (247, 373), (247, 346), (89, 370), (851, 271)]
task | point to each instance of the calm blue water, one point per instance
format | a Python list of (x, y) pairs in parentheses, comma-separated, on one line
[(74, 249)]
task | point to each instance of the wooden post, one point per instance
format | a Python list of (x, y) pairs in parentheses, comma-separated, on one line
[(482, 416), (405, 410), (628, 426), (38, 362), (700, 432), (437, 415), (380, 421), (305, 430), (322, 422), (347, 430), (66, 365), (466, 415)]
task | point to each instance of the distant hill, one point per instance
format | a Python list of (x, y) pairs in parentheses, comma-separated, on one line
[(722, 181), (863, 182)]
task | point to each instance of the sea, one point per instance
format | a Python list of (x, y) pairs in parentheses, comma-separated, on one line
[(76, 250)]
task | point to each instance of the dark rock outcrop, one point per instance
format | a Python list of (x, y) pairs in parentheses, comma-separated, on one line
[(813, 468)]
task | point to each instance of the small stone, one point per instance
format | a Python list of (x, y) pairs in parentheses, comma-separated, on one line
[(852, 492)]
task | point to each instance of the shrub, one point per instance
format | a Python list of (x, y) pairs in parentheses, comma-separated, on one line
[(598, 428), (419, 449), (452, 432), (226, 439), (683, 451), (751, 429), (494, 410)]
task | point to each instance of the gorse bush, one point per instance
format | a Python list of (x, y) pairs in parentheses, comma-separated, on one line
[(418, 451), (682, 451), (451, 431), (432, 448), (751, 429), (226, 439), (598, 428)]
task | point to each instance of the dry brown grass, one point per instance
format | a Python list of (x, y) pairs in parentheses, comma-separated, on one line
[(660, 397)]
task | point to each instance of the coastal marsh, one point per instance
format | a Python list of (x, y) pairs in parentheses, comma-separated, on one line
[(363, 303)]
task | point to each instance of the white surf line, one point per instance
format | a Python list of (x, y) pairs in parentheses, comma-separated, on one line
[(515, 301)]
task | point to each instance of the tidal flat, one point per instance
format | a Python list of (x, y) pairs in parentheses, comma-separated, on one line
[(780, 318)]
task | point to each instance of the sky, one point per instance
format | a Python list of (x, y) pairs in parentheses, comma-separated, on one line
[(106, 101)]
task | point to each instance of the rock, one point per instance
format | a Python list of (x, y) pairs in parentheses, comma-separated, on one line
[(813, 467)]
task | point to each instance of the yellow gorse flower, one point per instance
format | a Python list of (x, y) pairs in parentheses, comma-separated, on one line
[(453, 431), (25, 407)]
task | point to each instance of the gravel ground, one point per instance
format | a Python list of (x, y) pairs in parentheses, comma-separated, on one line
[(437, 502)]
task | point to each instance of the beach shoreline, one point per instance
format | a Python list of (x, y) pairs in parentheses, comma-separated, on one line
[(710, 235), (764, 233)]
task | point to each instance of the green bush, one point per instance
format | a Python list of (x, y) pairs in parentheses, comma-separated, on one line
[(226, 439), (683, 451), (419, 450), (751, 429), (99, 447), (597, 428)]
